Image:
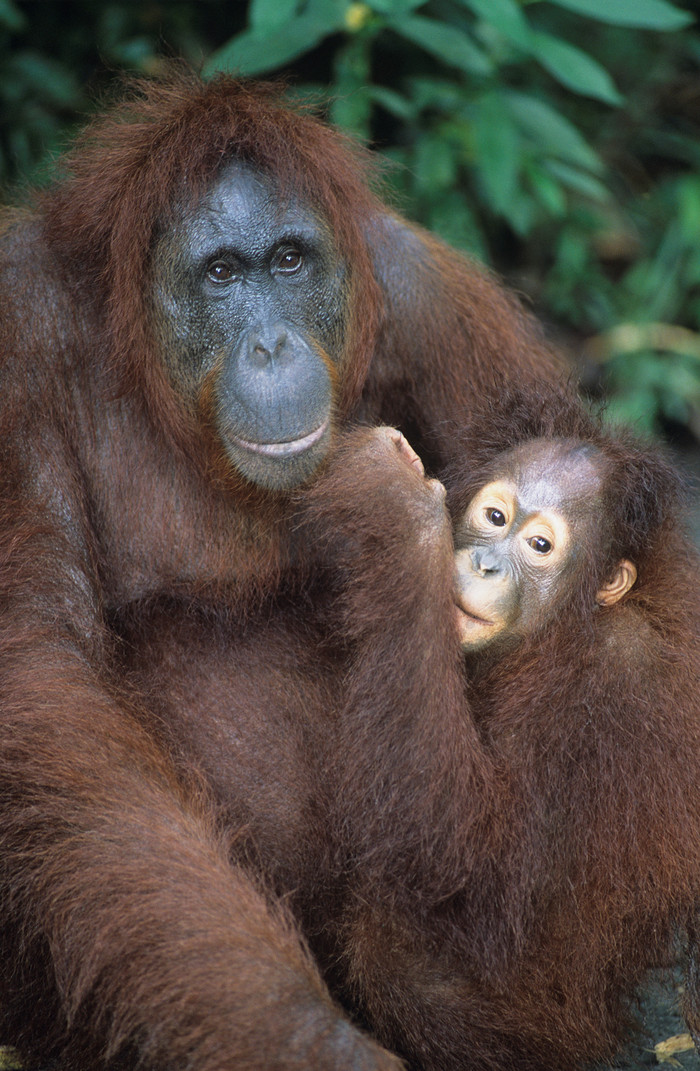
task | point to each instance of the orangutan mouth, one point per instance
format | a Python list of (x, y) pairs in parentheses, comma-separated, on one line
[(285, 449), (461, 612)]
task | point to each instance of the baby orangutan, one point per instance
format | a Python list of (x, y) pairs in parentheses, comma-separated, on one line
[(476, 803), (521, 820), (522, 540)]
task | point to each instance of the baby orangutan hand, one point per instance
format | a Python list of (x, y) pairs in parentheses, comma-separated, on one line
[(428, 494), (406, 451)]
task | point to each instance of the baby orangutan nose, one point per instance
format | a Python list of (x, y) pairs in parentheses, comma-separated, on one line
[(484, 560)]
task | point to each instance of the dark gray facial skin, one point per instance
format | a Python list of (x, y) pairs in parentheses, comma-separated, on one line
[(250, 296), (520, 542)]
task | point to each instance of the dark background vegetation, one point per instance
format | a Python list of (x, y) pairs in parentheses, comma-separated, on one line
[(557, 140)]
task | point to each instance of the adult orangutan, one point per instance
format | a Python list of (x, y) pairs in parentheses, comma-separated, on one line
[(207, 292)]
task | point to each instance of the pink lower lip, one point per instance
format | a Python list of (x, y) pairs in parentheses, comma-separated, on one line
[(286, 449)]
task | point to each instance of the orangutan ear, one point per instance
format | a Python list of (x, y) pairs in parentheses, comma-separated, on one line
[(622, 580)]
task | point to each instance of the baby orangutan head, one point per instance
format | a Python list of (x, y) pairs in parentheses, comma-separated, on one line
[(525, 538)]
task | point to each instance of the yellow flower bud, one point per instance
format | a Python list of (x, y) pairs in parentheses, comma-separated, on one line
[(357, 16)]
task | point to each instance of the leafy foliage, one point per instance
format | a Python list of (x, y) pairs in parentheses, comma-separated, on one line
[(557, 139)]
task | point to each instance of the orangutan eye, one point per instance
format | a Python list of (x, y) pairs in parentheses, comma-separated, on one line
[(219, 271), (289, 262), (495, 517), (540, 544)]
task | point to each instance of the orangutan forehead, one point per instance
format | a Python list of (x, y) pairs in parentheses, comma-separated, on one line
[(242, 191), (553, 473), (248, 180)]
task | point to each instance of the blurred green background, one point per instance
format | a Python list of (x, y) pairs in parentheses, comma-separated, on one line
[(558, 140)]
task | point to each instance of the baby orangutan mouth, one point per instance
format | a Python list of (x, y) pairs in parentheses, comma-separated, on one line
[(468, 623)]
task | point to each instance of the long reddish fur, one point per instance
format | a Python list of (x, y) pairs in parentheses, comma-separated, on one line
[(486, 859), (522, 838), (145, 913)]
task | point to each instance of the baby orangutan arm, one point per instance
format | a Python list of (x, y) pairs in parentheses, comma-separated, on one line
[(403, 713)]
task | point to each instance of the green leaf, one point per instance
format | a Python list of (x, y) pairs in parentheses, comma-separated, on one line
[(266, 16), (637, 408), (352, 106), (393, 102), (686, 195), (574, 69), (11, 17), (548, 130), (352, 111), (546, 189), (394, 7), (330, 11), (496, 146), (447, 43), (645, 14), (580, 181), (506, 16), (522, 213), (50, 80), (453, 219), (251, 53), (435, 166), (446, 96), (133, 53)]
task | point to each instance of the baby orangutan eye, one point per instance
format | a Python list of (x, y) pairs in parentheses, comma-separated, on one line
[(495, 517), (540, 544)]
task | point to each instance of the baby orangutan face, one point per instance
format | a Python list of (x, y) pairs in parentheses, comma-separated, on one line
[(523, 540)]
